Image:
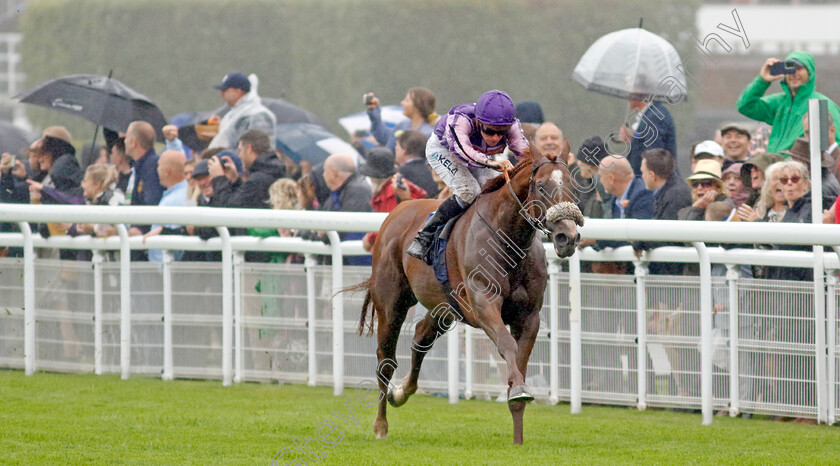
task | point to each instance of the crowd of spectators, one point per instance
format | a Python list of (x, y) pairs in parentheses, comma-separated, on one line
[(745, 172), (737, 166)]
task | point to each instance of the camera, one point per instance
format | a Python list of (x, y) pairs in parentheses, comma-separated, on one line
[(367, 98), (782, 67)]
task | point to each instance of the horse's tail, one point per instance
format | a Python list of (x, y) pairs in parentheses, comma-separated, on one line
[(367, 304)]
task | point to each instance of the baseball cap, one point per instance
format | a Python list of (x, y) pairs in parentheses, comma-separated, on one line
[(736, 127), (234, 157), (709, 147), (201, 169), (236, 81)]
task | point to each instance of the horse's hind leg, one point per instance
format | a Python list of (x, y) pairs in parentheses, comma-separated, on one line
[(392, 303), (433, 325)]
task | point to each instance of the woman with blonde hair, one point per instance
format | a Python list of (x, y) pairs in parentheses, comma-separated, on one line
[(771, 205), (99, 187), (274, 300), (282, 194)]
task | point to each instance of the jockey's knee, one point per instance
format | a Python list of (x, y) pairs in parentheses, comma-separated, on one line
[(462, 203), (465, 197)]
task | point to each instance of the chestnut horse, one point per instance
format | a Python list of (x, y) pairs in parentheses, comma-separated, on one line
[(496, 265)]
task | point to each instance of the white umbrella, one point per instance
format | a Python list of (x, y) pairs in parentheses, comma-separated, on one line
[(391, 115), (633, 64)]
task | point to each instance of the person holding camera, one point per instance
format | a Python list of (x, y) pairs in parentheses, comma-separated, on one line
[(418, 105), (389, 187), (784, 110)]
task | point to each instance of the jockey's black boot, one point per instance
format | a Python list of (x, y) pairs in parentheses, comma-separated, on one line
[(448, 209)]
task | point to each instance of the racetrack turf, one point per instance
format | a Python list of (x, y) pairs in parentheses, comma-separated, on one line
[(83, 418)]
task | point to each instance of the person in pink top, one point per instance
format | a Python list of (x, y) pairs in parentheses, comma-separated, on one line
[(461, 151)]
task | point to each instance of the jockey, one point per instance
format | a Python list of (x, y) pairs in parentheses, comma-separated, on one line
[(462, 146)]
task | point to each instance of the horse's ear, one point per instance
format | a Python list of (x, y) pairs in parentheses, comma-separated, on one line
[(528, 153), (563, 156)]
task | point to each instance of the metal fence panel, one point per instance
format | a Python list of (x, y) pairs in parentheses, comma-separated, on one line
[(608, 323), (780, 346), (197, 319), (11, 313), (63, 314)]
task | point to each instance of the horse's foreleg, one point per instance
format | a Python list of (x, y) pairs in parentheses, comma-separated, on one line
[(525, 333), (507, 347), (517, 412)]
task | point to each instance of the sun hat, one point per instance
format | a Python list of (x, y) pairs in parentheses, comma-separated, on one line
[(706, 170)]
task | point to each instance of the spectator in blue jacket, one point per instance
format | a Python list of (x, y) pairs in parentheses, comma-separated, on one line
[(631, 199), (144, 184), (670, 194), (652, 128)]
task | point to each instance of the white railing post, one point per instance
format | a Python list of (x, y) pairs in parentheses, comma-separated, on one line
[(831, 309), (96, 262), (706, 367), (337, 313), (239, 335), (168, 372), (309, 264), (640, 273), (819, 284), (29, 332), (732, 275), (575, 334), (820, 334), (469, 360), (453, 353), (553, 333), (125, 302), (227, 309)]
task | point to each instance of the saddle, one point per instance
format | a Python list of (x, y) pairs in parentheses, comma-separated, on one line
[(436, 257)]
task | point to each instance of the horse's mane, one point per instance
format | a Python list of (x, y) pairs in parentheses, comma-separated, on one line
[(497, 182)]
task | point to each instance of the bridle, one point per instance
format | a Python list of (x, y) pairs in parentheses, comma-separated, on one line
[(537, 223)]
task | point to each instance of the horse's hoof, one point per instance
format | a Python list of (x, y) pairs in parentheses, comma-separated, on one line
[(396, 396), (520, 393)]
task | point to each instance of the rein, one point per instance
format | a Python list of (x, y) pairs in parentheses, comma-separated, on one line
[(537, 223)]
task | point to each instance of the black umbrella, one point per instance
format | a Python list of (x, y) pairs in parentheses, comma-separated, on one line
[(101, 100), (283, 111), (313, 143), (13, 139)]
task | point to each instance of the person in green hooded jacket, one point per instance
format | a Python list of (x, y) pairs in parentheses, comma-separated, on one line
[(784, 110)]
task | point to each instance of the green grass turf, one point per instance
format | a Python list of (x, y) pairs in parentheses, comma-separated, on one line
[(82, 418)]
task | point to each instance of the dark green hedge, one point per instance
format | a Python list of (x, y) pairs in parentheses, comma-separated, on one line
[(323, 54)]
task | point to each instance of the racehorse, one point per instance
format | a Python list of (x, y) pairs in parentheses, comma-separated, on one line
[(496, 265)]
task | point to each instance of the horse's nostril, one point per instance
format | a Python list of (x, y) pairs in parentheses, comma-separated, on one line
[(577, 238), (561, 238)]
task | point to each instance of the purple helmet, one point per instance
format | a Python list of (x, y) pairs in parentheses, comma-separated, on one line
[(495, 108)]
